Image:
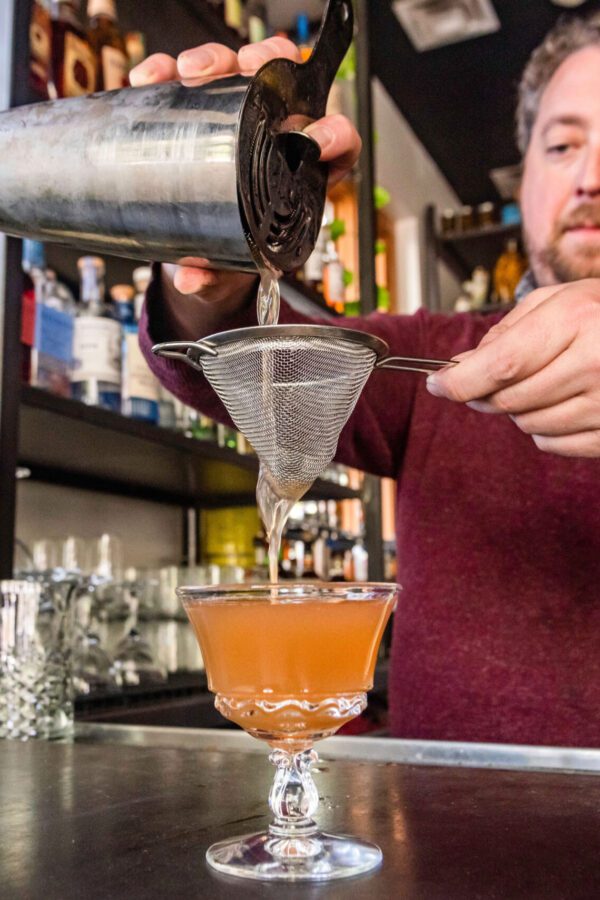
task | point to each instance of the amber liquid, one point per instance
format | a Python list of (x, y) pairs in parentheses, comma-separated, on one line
[(289, 669)]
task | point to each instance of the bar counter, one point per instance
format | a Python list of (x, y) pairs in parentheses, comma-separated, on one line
[(129, 812)]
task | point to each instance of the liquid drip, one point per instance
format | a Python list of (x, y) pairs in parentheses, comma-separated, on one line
[(274, 510), (268, 301)]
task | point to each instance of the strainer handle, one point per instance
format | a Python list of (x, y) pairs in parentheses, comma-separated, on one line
[(183, 349), (413, 364)]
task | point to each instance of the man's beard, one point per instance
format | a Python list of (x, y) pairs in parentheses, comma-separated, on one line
[(581, 263)]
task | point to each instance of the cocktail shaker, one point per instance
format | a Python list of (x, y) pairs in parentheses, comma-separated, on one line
[(218, 171)]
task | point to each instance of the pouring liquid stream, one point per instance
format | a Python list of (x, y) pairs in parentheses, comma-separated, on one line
[(274, 510)]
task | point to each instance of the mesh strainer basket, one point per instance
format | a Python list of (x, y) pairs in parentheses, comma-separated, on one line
[(290, 389)]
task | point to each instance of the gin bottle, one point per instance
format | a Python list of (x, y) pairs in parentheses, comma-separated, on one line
[(96, 378)]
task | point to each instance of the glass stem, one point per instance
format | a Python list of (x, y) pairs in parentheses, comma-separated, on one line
[(293, 800)]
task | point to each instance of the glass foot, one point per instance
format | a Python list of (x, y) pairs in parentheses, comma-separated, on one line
[(320, 857)]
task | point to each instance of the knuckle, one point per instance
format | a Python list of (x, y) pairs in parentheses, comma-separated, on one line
[(505, 401), (504, 367)]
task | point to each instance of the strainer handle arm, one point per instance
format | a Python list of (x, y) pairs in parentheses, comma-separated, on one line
[(331, 46), (413, 364), (180, 350)]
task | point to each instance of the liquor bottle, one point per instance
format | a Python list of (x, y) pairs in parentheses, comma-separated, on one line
[(52, 351), (204, 428), (226, 436), (73, 61), (256, 19), (108, 45), (140, 389), (33, 262), (303, 36), (234, 15), (334, 289), (313, 267), (40, 48), (135, 45), (121, 296), (508, 271), (142, 276), (167, 417), (96, 378)]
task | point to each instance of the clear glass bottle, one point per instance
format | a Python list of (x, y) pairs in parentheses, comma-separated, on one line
[(96, 378), (142, 276), (108, 45), (140, 388), (256, 20), (333, 279), (73, 60), (167, 415)]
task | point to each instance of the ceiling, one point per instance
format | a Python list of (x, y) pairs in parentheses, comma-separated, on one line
[(460, 99)]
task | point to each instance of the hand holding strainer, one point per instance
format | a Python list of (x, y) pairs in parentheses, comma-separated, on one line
[(290, 389)]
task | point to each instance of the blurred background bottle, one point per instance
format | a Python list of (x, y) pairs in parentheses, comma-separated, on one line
[(96, 376), (73, 60), (52, 351), (108, 45)]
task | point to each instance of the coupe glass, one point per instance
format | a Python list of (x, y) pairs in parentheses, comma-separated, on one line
[(291, 663)]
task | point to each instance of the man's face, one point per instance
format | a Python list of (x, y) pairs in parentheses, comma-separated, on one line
[(560, 193)]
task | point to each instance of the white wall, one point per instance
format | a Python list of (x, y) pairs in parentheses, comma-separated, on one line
[(404, 167), (151, 533)]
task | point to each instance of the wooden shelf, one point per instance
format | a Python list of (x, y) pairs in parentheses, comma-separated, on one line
[(65, 442)]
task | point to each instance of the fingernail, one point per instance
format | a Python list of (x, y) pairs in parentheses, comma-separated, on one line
[(142, 74), (481, 406), (434, 387), (321, 134), (192, 62)]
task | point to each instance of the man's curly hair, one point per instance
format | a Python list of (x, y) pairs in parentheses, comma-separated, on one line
[(567, 37)]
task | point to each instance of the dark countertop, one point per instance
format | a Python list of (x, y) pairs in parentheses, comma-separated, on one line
[(126, 816)]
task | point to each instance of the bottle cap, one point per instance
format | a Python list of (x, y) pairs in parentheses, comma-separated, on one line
[(122, 293), (102, 8), (142, 276), (89, 262)]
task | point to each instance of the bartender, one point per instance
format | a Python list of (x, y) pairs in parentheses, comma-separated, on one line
[(497, 632)]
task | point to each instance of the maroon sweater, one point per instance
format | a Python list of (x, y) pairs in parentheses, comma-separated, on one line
[(497, 631)]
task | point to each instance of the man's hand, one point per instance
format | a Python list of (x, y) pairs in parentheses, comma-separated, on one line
[(339, 141), (541, 366)]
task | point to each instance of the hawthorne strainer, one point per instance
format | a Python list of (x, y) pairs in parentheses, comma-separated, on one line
[(290, 389)]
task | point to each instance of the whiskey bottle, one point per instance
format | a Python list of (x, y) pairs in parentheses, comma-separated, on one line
[(73, 61), (108, 45), (40, 48)]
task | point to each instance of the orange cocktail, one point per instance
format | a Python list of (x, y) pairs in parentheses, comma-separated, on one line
[(291, 663), (289, 668)]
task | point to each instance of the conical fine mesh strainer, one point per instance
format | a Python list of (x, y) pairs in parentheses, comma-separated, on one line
[(290, 390)]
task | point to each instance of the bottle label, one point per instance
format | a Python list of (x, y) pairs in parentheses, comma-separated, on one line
[(97, 350), (114, 68), (52, 350), (138, 381), (79, 76)]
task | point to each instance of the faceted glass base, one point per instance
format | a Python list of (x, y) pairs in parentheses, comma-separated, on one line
[(322, 857)]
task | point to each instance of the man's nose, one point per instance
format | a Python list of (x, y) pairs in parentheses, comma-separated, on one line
[(589, 181)]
